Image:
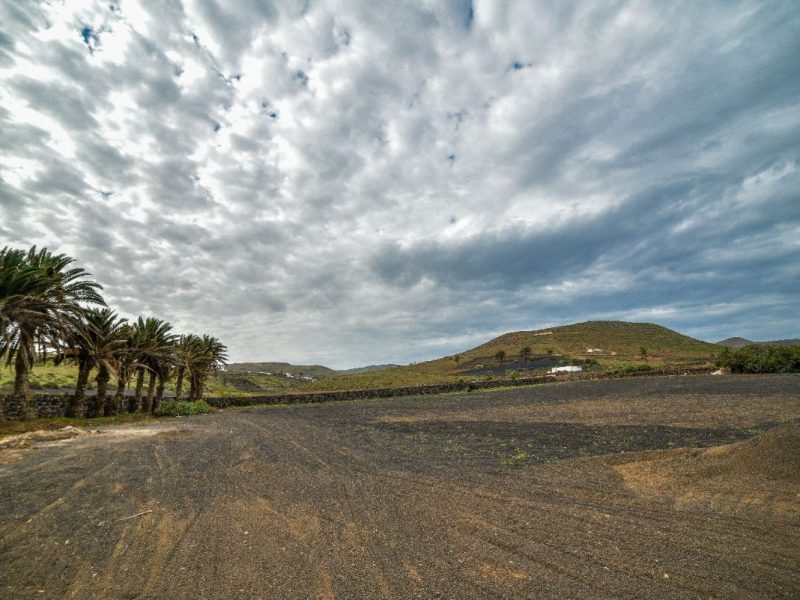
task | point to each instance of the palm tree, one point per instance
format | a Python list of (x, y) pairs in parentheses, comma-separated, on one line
[(98, 338), (525, 353), (188, 349), (500, 355), (125, 363), (39, 297), (211, 355), (164, 369), (85, 360), (151, 340)]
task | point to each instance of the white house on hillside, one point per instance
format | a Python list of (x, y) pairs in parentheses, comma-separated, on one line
[(568, 369)]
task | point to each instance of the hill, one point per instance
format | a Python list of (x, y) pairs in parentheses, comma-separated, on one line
[(600, 339), (281, 369), (368, 369), (735, 342), (606, 344)]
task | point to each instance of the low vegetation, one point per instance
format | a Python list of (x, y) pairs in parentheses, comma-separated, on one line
[(179, 408), (759, 358)]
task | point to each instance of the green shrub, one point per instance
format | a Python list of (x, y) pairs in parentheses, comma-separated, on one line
[(757, 358), (514, 375), (172, 408)]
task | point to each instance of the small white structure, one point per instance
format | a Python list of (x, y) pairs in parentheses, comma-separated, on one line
[(569, 369)]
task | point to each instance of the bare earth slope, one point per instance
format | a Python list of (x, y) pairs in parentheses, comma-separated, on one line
[(514, 494)]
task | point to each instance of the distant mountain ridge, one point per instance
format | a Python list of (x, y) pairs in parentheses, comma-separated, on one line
[(368, 369), (299, 371), (735, 342), (740, 342), (281, 368)]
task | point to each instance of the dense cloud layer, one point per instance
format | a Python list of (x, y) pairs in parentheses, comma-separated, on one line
[(340, 183)]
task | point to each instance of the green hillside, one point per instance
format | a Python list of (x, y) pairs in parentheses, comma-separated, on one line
[(609, 344), (606, 339)]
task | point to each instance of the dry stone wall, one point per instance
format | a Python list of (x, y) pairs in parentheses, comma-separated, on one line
[(47, 406), (42, 406)]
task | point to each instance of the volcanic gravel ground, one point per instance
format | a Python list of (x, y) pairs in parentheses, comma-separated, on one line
[(522, 493)]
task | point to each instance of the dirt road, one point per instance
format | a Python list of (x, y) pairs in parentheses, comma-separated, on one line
[(513, 494)]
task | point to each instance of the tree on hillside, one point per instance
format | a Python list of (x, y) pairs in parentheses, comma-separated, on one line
[(525, 353), (39, 297), (500, 355), (643, 353)]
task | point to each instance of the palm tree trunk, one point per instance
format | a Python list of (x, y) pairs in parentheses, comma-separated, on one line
[(159, 394), (179, 383), (151, 390), (22, 391), (103, 405), (137, 396), (75, 403), (119, 396), (192, 385), (22, 374)]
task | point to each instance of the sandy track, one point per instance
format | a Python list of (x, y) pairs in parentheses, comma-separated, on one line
[(414, 497)]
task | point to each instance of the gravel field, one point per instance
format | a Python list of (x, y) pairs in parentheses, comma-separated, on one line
[(596, 489)]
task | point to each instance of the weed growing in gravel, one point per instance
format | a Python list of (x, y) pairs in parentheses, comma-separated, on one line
[(519, 458)]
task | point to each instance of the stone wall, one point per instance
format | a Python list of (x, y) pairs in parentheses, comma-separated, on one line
[(439, 388), (42, 406), (47, 406)]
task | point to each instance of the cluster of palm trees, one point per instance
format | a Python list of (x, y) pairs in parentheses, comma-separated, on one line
[(48, 306)]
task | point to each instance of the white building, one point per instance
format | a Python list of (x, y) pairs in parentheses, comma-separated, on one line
[(569, 369)]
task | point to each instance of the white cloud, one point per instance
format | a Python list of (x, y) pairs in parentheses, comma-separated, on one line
[(333, 183)]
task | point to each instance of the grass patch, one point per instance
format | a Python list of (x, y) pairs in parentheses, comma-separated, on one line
[(172, 408), (517, 459)]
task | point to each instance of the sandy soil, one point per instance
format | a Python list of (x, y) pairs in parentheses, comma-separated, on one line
[(581, 490)]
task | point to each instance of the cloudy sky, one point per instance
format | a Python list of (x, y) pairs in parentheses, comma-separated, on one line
[(353, 182)]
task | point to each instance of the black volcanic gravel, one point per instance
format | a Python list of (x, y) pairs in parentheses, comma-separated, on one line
[(365, 500)]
